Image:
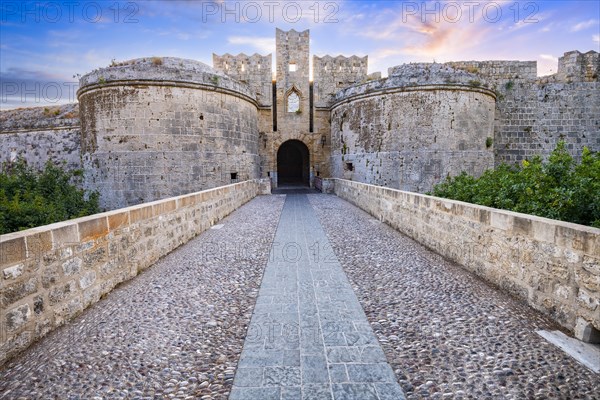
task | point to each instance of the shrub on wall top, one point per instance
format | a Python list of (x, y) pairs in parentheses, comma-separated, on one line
[(559, 188), (30, 198)]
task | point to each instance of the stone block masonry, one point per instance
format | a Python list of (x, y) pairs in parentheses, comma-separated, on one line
[(552, 265), (41, 134), (335, 73), (50, 274), (533, 114), (37, 147), (423, 123), (163, 127), (255, 70)]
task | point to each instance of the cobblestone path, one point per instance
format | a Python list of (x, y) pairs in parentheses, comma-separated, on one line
[(176, 331), (445, 332), (309, 337), (189, 328)]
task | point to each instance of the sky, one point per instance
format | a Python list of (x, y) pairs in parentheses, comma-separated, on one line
[(45, 45)]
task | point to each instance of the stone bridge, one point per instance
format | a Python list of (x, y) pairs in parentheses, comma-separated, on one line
[(301, 295)]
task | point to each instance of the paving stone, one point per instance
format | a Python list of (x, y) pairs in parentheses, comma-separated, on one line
[(337, 373), (261, 358), (245, 377), (314, 369), (343, 354), (319, 311), (354, 391), (282, 376), (291, 393), (255, 393), (370, 373), (316, 392)]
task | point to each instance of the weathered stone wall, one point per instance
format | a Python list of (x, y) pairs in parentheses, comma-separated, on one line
[(534, 114), (41, 134), (254, 70), (36, 147), (293, 48), (50, 274), (412, 130), (575, 66), (553, 265), (321, 140), (332, 74), (153, 130), (499, 71), (533, 117)]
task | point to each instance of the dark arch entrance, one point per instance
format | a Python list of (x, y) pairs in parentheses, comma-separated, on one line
[(293, 164)]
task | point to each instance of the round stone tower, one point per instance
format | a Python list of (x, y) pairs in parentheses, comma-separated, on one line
[(160, 127), (412, 129)]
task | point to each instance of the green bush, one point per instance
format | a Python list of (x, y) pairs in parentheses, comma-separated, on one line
[(559, 188), (30, 198)]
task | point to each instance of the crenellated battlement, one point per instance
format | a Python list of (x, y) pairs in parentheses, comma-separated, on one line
[(332, 74), (291, 36), (575, 66), (242, 65), (341, 64), (499, 71), (254, 70)]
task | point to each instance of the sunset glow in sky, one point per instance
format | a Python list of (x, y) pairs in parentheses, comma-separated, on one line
[(53, 41)]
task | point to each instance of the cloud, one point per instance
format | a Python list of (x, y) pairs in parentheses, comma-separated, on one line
[(29, 88), (94, 58), (443, 39), (548, 57), (264, 45), (30, 75), (584, 25), (426, 35), (550, 27), (596, 38)]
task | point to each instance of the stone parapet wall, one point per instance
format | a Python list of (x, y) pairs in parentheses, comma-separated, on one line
[(50, 274), (165, 70), (39, 118), (41, 134), (554, 266), (421, 75)]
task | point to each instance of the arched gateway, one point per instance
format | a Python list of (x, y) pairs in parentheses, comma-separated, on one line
[(293, 164)]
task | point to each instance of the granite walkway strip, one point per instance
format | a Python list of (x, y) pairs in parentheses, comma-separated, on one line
[(309, 337)]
